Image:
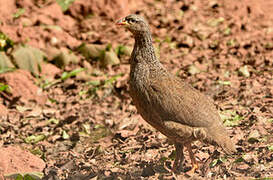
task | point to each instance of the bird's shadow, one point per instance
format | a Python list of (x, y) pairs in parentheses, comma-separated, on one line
[(164, 168)]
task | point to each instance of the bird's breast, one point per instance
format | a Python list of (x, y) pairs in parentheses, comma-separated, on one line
[(139, 84)]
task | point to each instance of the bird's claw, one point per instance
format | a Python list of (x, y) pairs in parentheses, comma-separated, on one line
[(193, 169)]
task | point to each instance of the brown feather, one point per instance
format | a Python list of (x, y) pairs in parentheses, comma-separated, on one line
[(166, 102)]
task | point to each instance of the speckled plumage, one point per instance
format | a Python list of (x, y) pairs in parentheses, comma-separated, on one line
[(166, 102)]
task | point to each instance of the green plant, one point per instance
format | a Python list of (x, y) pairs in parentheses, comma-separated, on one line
[(4, 88), (26, 176), (5, 42), (19, 12), (65, 4), (66, 75), (230, 118)]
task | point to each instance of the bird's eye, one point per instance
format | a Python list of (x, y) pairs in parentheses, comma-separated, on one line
[(132, 20)]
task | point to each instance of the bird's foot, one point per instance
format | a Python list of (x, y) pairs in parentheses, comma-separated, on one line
[(193, 169), (177, 168)]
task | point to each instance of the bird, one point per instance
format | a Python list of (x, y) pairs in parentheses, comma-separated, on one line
[(169, 104)]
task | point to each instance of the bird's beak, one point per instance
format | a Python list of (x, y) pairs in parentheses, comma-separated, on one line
[(122, 22)]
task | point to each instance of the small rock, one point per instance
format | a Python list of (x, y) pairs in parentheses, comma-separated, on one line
[(51, 53), (22, 85), (65, 57), (54, 41), (215, 22), (88, 67), (26, 21), (49, 70), (148, 171), (13, 159), (93, 161), (91, 51), (242, 167), (109, 122), (28, 58), (110, 58), (5, 61), (128, 50), (83, 76), (193, 70), (254, 136), (3, 111), (107, 173), (115, 170)]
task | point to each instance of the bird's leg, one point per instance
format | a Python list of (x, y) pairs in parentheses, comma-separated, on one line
[(179, 157), (193, 160)]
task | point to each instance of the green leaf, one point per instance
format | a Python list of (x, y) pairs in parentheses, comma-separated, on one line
[(86, 128), (172, 155), (98, 126), (92, 91), (22, 109), (123, 50), (37, 151), (5, 42), (99, 132), (163, 159), (5, 70), (94, 83), (230, 118), (65, 135), (268, 46), (240, 159), (224, 82), (227, 31), (270, 147), (217, 161), (65, 4), (19, 177), (81, 93), (67, 75), (215, 22), (120, 50), (53, 121), (112, 79), (51, 27), (232, 43), (26, 176), (34, 138), (19, 12), (244, 71), (4, 87), (168, 39), (213, 163), (52, 100)]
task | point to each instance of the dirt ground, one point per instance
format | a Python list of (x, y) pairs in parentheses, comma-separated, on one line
[(86, 127)]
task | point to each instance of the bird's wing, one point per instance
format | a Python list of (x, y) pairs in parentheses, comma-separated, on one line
[(179, 102)]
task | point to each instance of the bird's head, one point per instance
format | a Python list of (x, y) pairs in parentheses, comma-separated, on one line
[(134, 23)]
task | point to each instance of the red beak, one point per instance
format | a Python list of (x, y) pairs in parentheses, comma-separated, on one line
[(121, 22)]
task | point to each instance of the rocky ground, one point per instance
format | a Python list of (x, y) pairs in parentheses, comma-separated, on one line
[(64, 104)]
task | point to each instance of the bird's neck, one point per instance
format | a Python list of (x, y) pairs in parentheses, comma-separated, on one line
[(143, 49)]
